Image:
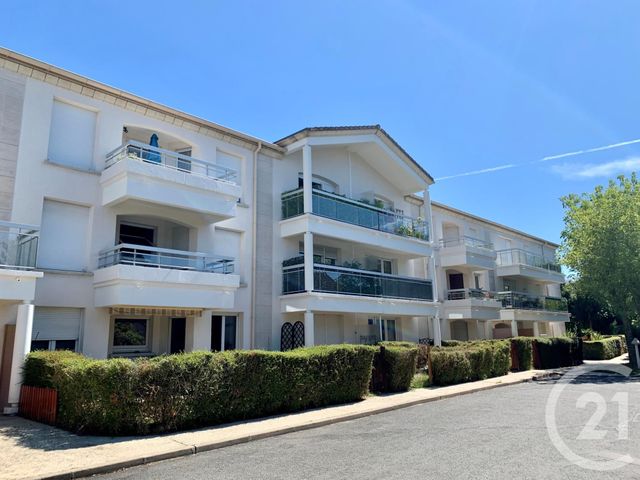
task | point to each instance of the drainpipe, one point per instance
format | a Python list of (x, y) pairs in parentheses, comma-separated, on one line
[(254, 263)]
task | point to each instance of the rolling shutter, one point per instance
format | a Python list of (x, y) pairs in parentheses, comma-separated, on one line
[(52, 323)]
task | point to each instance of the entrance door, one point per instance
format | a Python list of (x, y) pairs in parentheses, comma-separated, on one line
[(137, 235), (456, 281), (178, 334)]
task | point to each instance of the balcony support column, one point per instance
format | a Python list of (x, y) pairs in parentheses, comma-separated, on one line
[(437, 333), (307, 176), (309, 328), (308, 261), (514, 328), (21, 347), (536, 329)]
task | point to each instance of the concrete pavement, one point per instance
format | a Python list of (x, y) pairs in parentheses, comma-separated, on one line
[(35, 451)]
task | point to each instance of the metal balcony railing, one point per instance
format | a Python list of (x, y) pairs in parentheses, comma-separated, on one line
[(18, 245), (525, 301), (143, 256), (516, 256), (465, 240), (468, 293), (354, 212), (172, 160), (349, 281)]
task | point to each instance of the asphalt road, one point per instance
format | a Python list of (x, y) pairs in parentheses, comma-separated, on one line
[(495, 434)]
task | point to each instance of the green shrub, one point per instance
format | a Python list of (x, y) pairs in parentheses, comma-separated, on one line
[(420, 380), (558, 352), (452, 343), (119, 396), (522, 349), (604, 349), (423, 351), (393, 368), (469, 362)]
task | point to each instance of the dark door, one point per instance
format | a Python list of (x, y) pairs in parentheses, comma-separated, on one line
[(456, 281), (178, 332), (137, 235), (216, 333)]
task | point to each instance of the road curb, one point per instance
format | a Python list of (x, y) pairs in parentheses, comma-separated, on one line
[(187, 450)]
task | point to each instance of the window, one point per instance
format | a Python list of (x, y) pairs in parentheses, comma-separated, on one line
[(63, 236), (321, 254), (56, 328), (233, 162), (476, 281), (385, 266), (131, 334), (182, 163), (37, 345), (71, 138), (379, 329), (223, 332)]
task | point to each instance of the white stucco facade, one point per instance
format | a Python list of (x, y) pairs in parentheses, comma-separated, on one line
[(159, 232)]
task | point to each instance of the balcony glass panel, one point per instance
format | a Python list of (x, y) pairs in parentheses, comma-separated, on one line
[(18, 246), (172, 160), (526, 301), (468, 241), (348, 281), (350, 211), (143, 256), (516, 256)]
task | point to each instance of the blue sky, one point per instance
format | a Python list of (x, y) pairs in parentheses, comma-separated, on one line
[(462, 85)]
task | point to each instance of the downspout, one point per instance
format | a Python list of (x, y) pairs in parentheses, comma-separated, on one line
[(254, 263)]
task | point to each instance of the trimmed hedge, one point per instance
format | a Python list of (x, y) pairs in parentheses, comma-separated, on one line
[(393, 368), (604, 349), (557, 352), (175, 392), (469, 362), (521, 347), (423, 351)]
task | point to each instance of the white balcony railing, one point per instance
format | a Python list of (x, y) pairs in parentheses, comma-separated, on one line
[(143, 256), (516, 256), (172, 160), (18, 245), (467, 241)]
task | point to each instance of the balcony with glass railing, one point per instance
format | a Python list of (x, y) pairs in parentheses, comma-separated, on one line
[(470, 294), (516, 256), (135, 173), (18, 246), (143, 276), (465, 251), (350, 281), (153, 257), (138, 151), (525, 301), (354, 212), (466, 241)]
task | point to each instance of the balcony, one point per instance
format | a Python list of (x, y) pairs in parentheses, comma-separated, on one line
[(354, 291), (18, 254), (138, 173), (134, 275), (517, 262), (467, 251), (471, 303), (349, 281), (526, 307), (341, 217)]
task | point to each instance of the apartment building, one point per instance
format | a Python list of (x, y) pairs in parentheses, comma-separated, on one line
[(496, 282), (131, 229)]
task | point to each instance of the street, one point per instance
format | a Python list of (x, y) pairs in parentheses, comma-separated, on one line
[(495, 434)]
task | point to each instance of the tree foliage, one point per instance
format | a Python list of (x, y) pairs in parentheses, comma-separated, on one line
[(601, 244)]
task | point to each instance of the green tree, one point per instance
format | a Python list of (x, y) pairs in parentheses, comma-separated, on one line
[(601, 244), (587, 313)]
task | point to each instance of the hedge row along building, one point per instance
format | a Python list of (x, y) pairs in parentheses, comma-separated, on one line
[(129, 228)]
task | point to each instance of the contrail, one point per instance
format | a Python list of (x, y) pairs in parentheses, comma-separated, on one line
[(544, 159), (477, 172)]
